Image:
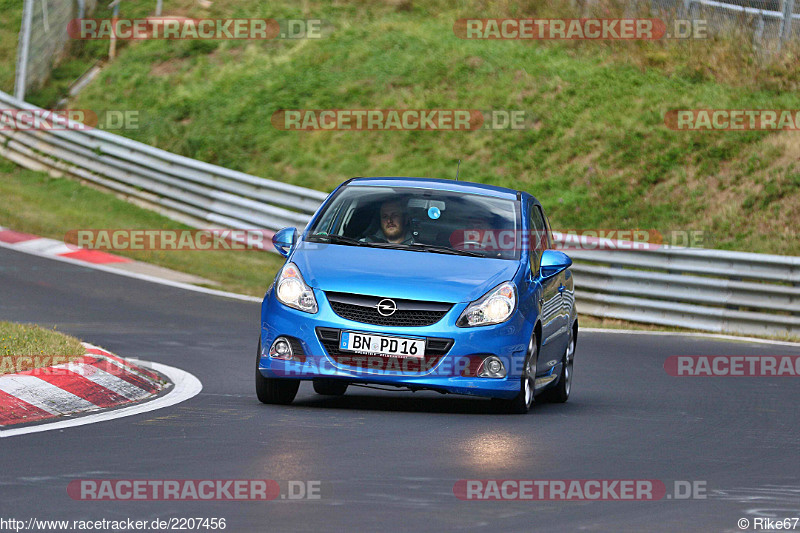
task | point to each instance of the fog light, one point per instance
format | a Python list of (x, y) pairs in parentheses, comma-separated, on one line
[(281, 349), (492, 367)]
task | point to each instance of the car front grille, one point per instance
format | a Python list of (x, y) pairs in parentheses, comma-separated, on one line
[(435, 349), (409, 313)]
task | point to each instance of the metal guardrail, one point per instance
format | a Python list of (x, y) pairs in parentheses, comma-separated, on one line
[(713, 290), (194, 192)]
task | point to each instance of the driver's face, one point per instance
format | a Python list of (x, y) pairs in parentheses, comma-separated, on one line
[(392, 221)]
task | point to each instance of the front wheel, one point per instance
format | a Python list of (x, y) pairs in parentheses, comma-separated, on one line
[(523, 401), (274, 390)]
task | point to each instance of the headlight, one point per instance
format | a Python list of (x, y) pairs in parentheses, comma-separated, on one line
[(291, 290), (494, 307)]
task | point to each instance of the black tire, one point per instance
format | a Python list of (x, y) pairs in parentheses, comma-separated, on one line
[(274, 390), (560, 393), (330, 387), (522, 402)]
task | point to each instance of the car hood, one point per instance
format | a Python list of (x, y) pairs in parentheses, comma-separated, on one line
[(400, 274)]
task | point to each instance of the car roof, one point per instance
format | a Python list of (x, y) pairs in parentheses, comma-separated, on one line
[(439, 184)]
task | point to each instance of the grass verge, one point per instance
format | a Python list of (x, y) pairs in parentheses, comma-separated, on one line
[(28, 346), (10, 19), (36, 203)]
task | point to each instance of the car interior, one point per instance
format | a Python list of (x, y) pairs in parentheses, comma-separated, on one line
[(446, 228)]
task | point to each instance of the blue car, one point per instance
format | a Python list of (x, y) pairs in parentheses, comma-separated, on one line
[(421, 284)]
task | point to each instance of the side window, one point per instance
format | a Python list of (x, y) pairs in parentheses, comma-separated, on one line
[(539, 238), (329, 218)]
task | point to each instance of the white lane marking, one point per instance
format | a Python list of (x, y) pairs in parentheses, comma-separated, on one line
[(44, 395), (186, 386), (143, 277), (691, 334), (106, 380)]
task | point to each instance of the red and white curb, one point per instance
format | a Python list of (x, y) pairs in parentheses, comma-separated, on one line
[(97, 381), (51, 247)]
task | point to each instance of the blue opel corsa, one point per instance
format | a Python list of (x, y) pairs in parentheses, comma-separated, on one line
[(421, 284)]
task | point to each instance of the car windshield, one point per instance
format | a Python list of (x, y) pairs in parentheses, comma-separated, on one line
[(425, 220)]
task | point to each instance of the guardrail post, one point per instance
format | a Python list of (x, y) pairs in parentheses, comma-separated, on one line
[(786, 27), (112, 47), (760, 29), (21, 74), (687, 8)]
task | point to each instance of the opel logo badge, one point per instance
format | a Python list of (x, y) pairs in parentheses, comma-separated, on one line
[(386, 307)]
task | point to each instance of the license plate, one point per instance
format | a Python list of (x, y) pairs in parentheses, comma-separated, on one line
[(381, 345)]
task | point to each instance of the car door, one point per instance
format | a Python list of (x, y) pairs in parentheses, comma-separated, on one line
[(550, 303), (564, 285)]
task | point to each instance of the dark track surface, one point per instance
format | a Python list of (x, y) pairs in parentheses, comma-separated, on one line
[(388, 461)]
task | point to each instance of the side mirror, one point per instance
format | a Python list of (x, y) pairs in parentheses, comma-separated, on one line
[(284, 240), (553, 262)]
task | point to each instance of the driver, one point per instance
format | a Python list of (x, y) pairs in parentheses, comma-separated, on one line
[(394, 224)]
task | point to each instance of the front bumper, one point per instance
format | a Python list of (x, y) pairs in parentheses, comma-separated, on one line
[(449, 372)]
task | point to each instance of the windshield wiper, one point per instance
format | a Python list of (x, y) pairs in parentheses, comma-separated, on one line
[(389, 245), (445, 250), (416, 246), (336, 239)]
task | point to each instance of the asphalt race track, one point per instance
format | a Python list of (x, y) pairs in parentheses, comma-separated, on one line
[(387, 460)]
